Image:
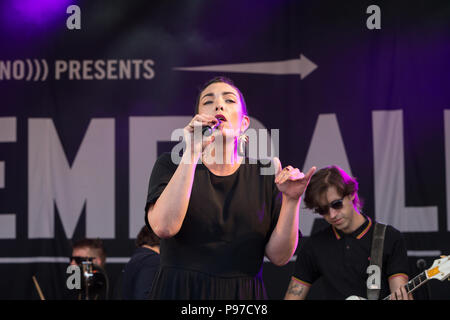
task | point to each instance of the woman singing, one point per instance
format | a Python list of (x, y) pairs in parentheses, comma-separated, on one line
[(216, 214)]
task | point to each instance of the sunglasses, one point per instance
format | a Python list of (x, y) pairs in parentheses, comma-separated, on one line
[(336, 205), (79, 260)]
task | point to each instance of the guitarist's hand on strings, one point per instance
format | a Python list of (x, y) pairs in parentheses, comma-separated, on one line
[(400, 294)]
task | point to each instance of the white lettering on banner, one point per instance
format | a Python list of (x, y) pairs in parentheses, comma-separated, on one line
[(326, 148), (8, 133), (18, 69), (90, 182), (145, 132), (28, 70), (111, 69), (389, 173)]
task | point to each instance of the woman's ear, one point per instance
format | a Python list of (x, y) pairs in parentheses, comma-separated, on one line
[(245, 123)]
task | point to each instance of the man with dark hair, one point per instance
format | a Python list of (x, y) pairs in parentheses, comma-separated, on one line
[(341, 253), (89, 248), (90, 256), (143, 266)]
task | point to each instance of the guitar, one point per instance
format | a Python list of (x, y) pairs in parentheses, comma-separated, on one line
[(439, 270)]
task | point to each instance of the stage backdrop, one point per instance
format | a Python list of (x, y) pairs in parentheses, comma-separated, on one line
[(91, 91)]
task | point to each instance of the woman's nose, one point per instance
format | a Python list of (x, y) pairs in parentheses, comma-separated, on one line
[(219, 108)]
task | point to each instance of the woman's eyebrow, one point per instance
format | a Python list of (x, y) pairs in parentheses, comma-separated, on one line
[(223, 94), (207, 95), (229, 92)]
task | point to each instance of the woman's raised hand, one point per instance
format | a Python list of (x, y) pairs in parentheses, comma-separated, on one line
[(291, 181)]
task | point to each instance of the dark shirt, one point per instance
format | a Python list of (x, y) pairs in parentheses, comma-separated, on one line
[(139, 273), (228, 222), (342, 260)]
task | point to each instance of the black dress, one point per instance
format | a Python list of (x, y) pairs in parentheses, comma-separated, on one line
[(218, 252)]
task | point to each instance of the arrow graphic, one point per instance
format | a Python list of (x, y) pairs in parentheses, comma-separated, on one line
[(302, 67)]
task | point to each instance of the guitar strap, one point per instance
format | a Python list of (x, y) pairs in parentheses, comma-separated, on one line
[(376, 257)]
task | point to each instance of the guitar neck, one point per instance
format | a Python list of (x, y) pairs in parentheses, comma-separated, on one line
[(414, 283)]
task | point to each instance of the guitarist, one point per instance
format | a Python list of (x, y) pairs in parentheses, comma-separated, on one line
[(340, 254)]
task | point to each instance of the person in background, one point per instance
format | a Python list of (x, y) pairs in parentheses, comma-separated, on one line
[(142, 268), (90, 255), (88, 248)]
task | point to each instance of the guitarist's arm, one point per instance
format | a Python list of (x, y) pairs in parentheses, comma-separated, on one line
[(297, 290), (397, 265), (397, 286)]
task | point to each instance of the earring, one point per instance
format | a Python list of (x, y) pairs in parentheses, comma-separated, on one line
[(242, 140)]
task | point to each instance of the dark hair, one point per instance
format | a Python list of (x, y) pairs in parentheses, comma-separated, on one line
[(146, 236), (331, 176), (94, 244), (224, 80)]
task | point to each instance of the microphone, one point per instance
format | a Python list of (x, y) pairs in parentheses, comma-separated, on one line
[(208, 130)]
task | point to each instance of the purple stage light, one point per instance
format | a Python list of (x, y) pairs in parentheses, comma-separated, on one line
[(34, 13)]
